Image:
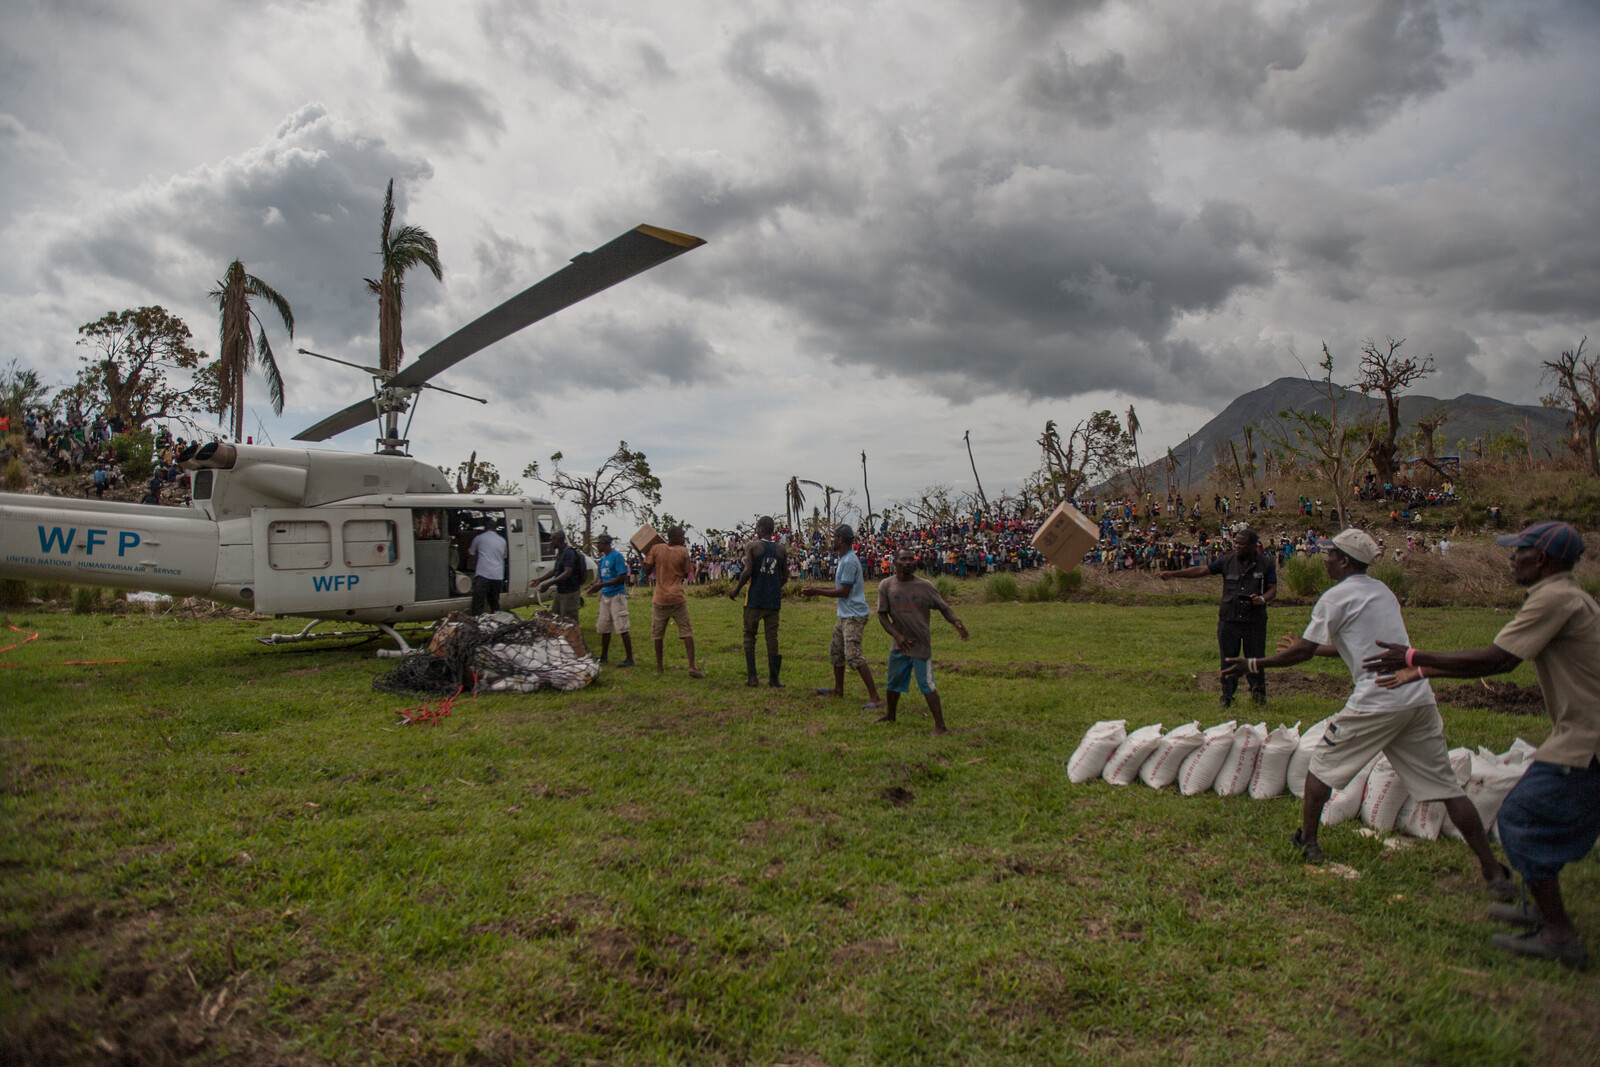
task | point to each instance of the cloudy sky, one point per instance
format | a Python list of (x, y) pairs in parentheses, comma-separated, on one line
[(924, 216)]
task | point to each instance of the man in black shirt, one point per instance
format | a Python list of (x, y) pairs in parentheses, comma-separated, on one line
[(1249, 582), (766, 568), (567, 576)]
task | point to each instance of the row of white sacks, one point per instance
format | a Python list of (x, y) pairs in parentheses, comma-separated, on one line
[(1231, 760)]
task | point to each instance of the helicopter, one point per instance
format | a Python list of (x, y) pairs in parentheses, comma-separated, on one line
[(380, 540)]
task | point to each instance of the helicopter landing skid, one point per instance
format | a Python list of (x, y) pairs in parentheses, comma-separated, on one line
[(305, 634)]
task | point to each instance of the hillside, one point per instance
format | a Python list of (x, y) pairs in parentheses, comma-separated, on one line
[(1469, 417)]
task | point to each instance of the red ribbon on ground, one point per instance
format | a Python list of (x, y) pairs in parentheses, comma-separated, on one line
[(429, 714)]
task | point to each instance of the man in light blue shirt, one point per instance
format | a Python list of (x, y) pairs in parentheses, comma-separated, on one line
[(850, 590)]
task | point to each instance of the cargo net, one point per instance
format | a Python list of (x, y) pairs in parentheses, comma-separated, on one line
[(496, 654)]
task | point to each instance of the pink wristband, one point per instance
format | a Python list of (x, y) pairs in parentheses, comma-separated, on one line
[(1411, 657)]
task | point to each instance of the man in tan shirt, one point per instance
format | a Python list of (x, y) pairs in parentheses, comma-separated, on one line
[(1552, 816), (670, 562)]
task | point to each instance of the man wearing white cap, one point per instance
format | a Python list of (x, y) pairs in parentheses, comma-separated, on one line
[(1552, 816), (1354, 616)]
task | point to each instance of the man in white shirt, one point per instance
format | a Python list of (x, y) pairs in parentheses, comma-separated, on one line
[(488, 552), (1350, 620)]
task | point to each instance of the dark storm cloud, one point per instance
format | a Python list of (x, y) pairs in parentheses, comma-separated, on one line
[(1363, 69), (302, 211), (1228, 64), (1041, 281), (522, 31), (434, 106), (753, 61)]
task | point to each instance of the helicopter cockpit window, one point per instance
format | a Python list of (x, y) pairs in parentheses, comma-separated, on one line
[(299, 545), (202, 483), (369, 543), (515, 523)]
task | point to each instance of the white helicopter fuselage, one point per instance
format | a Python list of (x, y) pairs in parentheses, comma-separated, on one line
[(281, 531)]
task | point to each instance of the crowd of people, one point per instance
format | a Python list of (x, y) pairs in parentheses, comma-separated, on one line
[(87, 447)]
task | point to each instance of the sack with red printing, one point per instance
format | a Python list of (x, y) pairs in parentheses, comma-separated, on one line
[(1272, 766), (1099, 742), (1345, 804), (1161, 769), (1234, 777), (1295, 777), (1199, 769), (1421, 818), (1123, 766), (1386, 793)]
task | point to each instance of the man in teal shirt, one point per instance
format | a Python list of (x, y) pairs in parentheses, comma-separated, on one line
[(850, 590), (611, 582)]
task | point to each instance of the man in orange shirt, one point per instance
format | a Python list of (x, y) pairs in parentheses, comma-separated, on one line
[(670, 562)]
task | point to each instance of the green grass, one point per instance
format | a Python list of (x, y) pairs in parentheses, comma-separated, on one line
[(226, 852)]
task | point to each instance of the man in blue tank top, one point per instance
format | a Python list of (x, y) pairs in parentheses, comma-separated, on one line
[(766, 568)]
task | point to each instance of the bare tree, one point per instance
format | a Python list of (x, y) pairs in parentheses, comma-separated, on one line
[(1387, 373), (967, 437), (623, 480), (1096, 447), (864, 487), (1427, 433), (1577, 393)]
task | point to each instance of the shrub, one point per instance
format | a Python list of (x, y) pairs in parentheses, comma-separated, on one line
[(1390, 574), (86, 599), (1041, 590), (136, 455), (15, 477), (1591, 586), (1000, 587), (13, 592), (1305, 575), (1068, 582), (719, 587), (947, 586)]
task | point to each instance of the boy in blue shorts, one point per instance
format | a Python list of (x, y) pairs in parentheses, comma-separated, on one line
[(904, 601)]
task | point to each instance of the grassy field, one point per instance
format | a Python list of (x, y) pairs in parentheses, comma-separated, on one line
[(219, 852)]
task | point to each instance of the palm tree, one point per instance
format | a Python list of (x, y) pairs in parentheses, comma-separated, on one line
[(237, 349), (399, 250)]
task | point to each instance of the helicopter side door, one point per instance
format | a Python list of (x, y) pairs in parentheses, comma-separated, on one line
[(331, 561)]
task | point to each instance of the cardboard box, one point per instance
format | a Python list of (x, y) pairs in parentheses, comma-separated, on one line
[(1065, 536), (645, 540)]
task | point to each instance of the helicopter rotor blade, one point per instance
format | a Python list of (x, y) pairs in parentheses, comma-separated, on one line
[(362, 411), (589, 272), (633, 253)]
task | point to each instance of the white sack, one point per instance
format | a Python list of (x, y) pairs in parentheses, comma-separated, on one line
[(1345, 804), (1461, 766), (1161, 769), (1489, 783), (1199, 769), (1234, 777), (1099, 742), (1519, 752), (1295, 777), (1422, 819), (1123, 766), (1272, 766), (1385, 795)]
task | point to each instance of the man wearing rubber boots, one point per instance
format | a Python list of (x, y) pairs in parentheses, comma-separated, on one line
[(1552, 816), (1355, 615), (766, 568), (1249, 583)]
